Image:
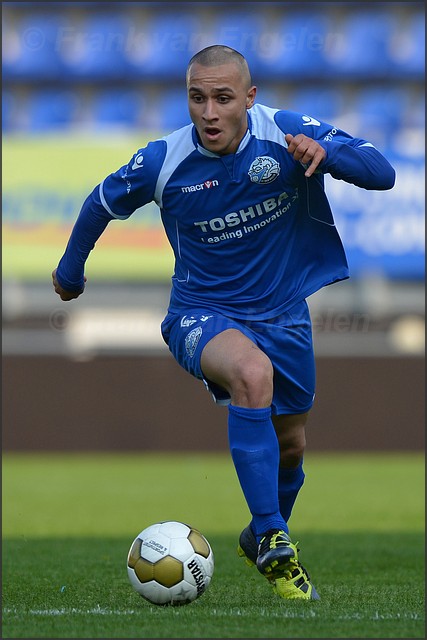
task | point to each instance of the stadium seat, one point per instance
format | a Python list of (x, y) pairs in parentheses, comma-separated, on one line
[(121, 108), (242, 30), (96, 48), (164, 45), (52, 109), (296, 46), (363, 49), (415, 114), (270, 97), (324, 103), (32, 47), (407, 49), (382, 108), (171, 111)]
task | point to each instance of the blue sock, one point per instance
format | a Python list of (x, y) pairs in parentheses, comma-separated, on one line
[(255, 453), (290, 482)]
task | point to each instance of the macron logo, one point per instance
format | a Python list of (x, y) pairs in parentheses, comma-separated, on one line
[(207, 184), (138, 162), (310, 120)]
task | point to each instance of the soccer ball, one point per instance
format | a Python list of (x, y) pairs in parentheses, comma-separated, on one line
[(170, 563)]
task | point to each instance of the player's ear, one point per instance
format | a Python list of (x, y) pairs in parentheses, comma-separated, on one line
[(250, 97)]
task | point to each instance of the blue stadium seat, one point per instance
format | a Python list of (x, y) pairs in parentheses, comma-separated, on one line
[(382, 108), (121, 108), (171, 110), (415, 115), (270, 97), (323, 103), (32, 47), (297, 46), (244, 31), (96, 48), (408, 48), (53, 110), (164, 45), (364, 44)]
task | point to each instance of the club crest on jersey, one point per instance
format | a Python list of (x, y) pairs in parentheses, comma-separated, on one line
[(192, 340), (264, 170)]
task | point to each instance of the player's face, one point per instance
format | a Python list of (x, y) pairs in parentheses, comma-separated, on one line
[(218, 98)]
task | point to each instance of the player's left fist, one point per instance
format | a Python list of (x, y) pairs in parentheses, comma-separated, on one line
[(63, 293), (305, 150)]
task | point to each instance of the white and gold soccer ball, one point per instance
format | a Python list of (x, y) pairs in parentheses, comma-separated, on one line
[(170, 563)]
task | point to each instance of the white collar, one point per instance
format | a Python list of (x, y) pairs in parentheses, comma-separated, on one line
[(210, 154)]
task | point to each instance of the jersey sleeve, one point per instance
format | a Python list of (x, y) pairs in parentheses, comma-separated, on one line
[(358, 162), (117, 197), (89, 226), (134, 184), (354, 160)]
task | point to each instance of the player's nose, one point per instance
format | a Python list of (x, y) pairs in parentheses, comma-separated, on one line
[(210, 110)]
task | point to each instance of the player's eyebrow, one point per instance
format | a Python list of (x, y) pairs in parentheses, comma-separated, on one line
[(215, 89)]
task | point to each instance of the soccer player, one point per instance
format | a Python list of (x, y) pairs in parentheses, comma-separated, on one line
[(241, 196)]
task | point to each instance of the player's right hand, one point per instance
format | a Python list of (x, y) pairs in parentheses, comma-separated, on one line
[(63, 293), (305, 150)]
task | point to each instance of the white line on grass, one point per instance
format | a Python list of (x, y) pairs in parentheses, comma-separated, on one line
[(214, 612), (72, 611), (313, 614)]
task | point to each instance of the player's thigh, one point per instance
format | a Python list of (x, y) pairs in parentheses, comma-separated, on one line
[(233, 360), (188, 334)]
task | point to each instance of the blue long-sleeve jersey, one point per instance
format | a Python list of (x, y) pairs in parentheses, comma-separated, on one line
[(251, 235)]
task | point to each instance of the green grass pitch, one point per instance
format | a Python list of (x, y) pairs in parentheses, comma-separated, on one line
[(69, 520)]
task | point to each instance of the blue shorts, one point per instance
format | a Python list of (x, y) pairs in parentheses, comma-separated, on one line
[(286, 340)]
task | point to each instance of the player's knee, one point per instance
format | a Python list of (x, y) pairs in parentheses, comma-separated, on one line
[(292, 452), (290, 431), (253, 382), (291, 458)]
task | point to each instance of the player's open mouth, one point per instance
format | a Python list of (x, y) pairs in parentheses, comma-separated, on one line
[(212, 133)]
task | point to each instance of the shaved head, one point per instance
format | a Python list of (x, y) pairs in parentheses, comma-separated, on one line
[(218, 55), (219, 92)]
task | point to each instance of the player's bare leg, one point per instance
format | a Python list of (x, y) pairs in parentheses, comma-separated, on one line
[(290, 430), (234, 362)]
